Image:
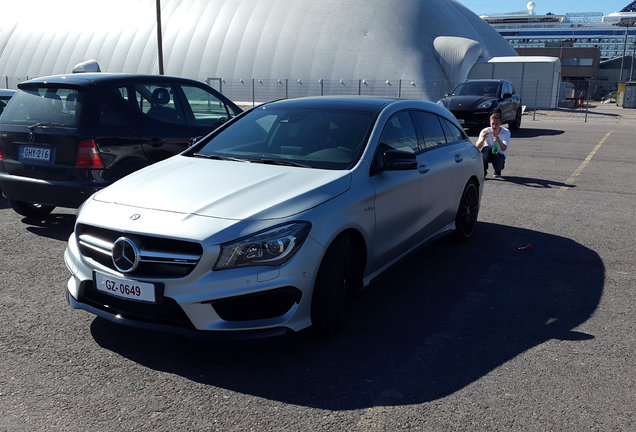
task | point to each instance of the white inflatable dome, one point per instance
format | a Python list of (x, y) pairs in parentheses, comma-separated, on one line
[(424, 46)]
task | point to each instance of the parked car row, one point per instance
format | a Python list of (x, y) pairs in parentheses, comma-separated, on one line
[(267, 224)]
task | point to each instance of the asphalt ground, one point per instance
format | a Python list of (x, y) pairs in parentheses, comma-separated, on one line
[(470, 337)]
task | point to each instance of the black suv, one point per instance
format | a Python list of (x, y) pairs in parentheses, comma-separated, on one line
[(473, 101), (64, 137)]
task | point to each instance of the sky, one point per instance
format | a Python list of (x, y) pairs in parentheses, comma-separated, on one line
[(542, 7)]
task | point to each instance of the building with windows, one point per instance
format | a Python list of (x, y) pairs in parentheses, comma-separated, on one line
[(576, 63)]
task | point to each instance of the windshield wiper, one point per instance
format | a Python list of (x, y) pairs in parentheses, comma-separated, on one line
[(42, 124), (219, 157), (279, 162)]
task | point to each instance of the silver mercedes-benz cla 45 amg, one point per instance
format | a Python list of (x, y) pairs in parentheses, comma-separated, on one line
[(271, 222)]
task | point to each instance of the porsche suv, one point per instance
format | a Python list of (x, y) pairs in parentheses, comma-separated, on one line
[(270, 223), (64, 137), (472, 102)]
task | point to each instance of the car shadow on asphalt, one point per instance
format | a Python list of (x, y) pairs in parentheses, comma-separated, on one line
[(432, 325), (535, 132), (527, 133), (535, 182), (57, 226)]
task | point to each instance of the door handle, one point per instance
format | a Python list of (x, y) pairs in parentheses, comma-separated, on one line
[(423, 168), (459, 157)]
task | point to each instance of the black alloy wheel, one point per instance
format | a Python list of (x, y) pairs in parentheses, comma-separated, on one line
[(466, 218)]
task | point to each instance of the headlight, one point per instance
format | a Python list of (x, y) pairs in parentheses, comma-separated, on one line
[(485, 105), (441, 102), (270, 247)]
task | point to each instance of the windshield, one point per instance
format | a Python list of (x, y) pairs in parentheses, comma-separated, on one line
[(43, 106), (310, 137), (476, 89)]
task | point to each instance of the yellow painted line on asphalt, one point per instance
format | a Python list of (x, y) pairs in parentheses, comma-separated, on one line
[(584, 164), (545, 215)]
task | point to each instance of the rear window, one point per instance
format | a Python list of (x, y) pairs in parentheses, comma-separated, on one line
[(51, 106)]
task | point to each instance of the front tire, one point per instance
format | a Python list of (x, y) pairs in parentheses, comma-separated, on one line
[(33, 210), (334, 285), (516, 123), (466, 218)]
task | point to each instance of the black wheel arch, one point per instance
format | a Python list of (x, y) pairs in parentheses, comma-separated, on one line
[(125, 167), (359, 250)]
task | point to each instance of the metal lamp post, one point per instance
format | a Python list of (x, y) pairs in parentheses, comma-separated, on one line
[(159, 39), (631, 69)]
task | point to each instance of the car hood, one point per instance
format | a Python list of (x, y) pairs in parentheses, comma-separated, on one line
[(226, 189), (466, 102)]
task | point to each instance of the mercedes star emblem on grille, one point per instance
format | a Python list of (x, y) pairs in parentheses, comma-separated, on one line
[(125, 255)]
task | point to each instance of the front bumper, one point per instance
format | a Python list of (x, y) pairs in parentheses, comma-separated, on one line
[(237, 303), (187, 332), (473, 120)]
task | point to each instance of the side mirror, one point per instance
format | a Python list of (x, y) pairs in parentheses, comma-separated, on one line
[(395, 160), (507, 95), (192, 141)]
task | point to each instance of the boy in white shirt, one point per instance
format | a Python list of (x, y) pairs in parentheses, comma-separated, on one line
[(493, 142)]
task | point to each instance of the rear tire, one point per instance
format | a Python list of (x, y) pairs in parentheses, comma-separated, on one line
[(466, 218), (335, 282), (30, 209)]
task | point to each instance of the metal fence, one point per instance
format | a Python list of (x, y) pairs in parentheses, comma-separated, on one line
[(534, 93), (256, 90)]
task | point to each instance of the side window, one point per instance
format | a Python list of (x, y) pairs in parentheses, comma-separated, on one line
[(431, 130), (113, 108), (207, 109), (109, 116), (399, 133), (453, 133), (158, 102)]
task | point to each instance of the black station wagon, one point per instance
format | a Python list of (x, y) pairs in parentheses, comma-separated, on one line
[(64, 137)]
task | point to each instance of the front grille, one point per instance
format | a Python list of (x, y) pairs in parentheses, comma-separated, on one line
[(158, 257), (166, 311)]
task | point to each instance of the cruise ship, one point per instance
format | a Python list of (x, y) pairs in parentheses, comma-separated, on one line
[(613, 34)]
